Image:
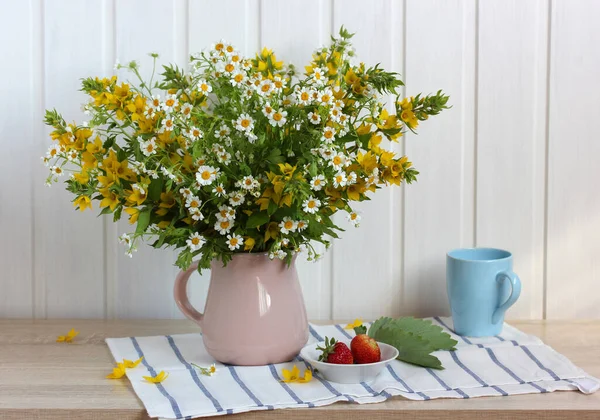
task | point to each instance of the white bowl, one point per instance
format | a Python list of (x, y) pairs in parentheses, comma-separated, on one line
[(348, 374)]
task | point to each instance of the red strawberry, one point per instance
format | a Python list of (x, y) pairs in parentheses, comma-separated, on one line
[(335, 352), (364, 348)]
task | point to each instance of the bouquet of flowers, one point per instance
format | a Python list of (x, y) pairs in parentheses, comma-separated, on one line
[(237, 154)]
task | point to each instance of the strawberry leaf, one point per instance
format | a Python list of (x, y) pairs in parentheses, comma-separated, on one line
[(426, 330)]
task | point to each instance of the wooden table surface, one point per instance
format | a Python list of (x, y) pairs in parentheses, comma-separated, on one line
[(42, 379)]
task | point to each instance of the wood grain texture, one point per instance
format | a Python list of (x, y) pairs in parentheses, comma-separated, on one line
[(438, 209), (34, 384), (511, 144), (573, 266)]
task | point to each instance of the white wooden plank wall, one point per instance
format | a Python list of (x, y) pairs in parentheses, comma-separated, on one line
[(513, 164)]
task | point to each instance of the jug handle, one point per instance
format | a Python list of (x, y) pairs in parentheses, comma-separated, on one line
[(181, 297)]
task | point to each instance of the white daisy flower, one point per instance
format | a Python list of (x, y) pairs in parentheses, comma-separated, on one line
[(186, 110), (206, 175), (325, 97), (155, 102), (342, 119), (45, 160), (251, 137), (229, 68), (236, 198), (311, 205), (287, 225), (304, 96), (168, 124), (194, 133), (150, 112), (186, 192), (317, 183), (169, 103), (278, 83), (72, 155), (354, 218), (248, 183), (148, 147), (319, 76), (224, 157), (196, 214), (335, 114), (234, 242), (268, 110), (265, 88), (204, 87), (278, 118), (338, 103), (125, 239), (279, 254), (244, 123), (328, 135), (339, 180), (223, 226), (302, 224), (285, 242), (351, 178), (193, 202), (238, 78), (219, 191), (314, 118), (195, 242), (338, 161), (53, 151), (222, 132), (57, 170), (226, 213), (326, 153)]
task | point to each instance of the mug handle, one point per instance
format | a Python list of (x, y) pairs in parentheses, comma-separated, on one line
[(181, 297), (514, 294)]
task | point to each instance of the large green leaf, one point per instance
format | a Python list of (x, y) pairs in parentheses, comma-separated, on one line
[(412, 348), (143, 221), (426, 330), (257, 219)]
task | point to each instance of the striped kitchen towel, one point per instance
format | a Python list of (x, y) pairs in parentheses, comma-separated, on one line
[(511, 363)]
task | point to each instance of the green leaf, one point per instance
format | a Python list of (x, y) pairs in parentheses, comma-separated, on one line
[(436, 336), (272, 208), (143, 221), (155, 188), (375, 326), (257, 219), (412, 348)]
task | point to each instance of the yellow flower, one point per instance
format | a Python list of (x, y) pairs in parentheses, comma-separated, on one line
[(83, 202), (161, 376), (137, 107), (117, 372), (129, 364), (111, 199), (357, 323), (136, 196), (367, 161), (294, 375), (133, 214), (67, 338), (248, 243), (81, 177), (351, 78)]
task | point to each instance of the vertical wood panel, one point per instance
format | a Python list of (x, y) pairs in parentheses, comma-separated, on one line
[(439, 207), (366, 276), (294, 29), (511, 139), (18, 133), (573, 247), (145, 282), (69, 252)]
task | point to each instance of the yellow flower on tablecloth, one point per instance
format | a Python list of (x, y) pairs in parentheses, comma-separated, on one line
[(357, 323), (67, 338), (129, 364), (294, 375), (117, 372), (161, 376)]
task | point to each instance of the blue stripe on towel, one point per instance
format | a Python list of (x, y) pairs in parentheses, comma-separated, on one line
[(194, 375), (404, 384), (325, 383), (540, 365), (465, 339), (474, 375), (445, 385), (511, 373), (315, 333), (243, 386), (160, 386), (343, 331)]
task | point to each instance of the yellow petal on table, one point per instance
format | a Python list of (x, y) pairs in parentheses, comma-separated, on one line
[(357, 323), (161, 376), (131, 364), (67, 338), (117, 372), (290, 376), (307, 376)]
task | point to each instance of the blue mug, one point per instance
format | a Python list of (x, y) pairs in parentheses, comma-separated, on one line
[(481, 287)]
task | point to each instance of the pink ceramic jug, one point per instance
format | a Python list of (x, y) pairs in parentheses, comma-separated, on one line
[(254, 312)]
